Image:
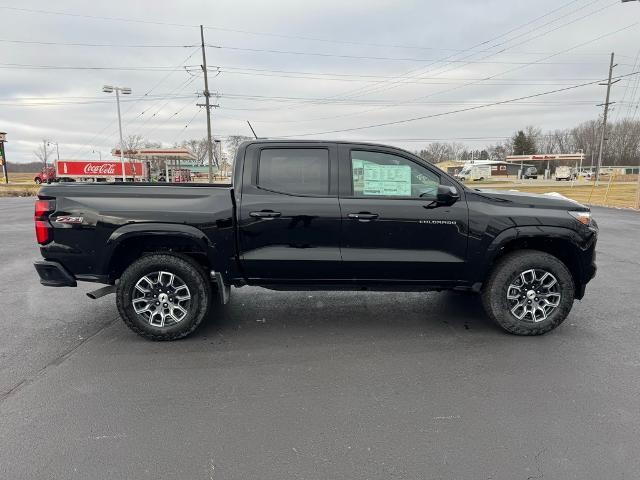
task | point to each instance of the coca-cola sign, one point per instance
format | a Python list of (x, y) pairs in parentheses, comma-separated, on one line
[(102, 169), (80, 168)]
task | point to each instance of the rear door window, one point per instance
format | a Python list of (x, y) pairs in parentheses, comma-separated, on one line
[(296, 171)]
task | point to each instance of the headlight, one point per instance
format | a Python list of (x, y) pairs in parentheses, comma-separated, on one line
[(583, 217)]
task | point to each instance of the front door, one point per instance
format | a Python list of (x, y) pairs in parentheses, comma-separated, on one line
[(289, 213), (392, 230)]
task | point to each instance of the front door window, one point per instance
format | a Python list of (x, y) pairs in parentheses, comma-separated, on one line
[(377, 174)]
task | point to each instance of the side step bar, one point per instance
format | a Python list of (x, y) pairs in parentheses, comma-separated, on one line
[(101, 292)]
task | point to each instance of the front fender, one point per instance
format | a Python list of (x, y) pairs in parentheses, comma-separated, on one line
[(578, 243)]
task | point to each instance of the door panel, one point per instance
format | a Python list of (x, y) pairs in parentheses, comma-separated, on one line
[(390, 232), (285, 235)]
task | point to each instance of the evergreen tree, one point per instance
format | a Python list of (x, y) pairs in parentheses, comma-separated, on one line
[(522, 144)]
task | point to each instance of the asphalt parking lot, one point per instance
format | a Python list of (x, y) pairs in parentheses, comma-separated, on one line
[(319, 385)]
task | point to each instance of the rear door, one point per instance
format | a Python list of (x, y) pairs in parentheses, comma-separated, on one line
[(391, 230), (289, 215)]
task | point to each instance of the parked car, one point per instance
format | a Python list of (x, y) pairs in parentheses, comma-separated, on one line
[(565, 173), (308, 215), (530, 172), (474, 173)]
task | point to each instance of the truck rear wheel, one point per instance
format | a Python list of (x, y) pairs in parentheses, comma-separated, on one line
[(528, 292), (163, 297)]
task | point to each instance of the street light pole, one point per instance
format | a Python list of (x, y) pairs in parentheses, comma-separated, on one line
[(124, 177), (49, 142), (125, 91)]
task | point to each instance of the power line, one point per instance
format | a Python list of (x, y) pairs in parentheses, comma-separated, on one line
[(388, 80), (21, 66), (74, 44), (187, 125), (84, 102), (536, 62), (255, 97), (246, 32), (451, 112), (226, 68), (148, 133), (526, 40), (413, 72), (377, 58), (491, 77), (95, 17), (148, 92)]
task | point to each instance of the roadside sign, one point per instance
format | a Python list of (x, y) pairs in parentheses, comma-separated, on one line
[(73, 168)]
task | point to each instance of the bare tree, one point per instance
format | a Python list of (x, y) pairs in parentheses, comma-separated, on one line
[(198, 148), (438, 152), (500, 150), (232, 144), (43, 152), (455, 150)]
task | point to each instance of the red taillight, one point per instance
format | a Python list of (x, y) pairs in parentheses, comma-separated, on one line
[(44, 229)]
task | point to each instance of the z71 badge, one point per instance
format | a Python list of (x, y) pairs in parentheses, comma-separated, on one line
[(68, 219)]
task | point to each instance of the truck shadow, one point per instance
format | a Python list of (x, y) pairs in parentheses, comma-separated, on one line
[(373, 313)]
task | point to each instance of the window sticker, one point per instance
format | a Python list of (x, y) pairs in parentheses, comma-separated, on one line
[(370, 178)]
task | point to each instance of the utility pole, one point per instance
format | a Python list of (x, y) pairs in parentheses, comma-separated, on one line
[(207, 105), (3, 156), (604, 118)]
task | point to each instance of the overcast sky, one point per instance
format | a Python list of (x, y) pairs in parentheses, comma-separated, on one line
[(296, 68)]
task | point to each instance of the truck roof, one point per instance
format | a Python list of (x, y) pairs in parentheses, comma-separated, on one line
[(316, 141)]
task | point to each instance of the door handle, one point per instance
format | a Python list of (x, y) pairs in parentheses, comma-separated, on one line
[(265, 214), (363, 216)]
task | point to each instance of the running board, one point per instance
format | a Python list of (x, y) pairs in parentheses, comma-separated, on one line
[(101, 292)]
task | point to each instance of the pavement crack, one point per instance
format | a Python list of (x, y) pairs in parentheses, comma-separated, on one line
[(540, 474), (58, 360)]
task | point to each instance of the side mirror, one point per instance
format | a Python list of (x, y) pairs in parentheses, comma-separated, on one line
[(447, 195)]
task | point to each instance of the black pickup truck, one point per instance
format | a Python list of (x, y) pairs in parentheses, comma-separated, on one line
[(310, 215)]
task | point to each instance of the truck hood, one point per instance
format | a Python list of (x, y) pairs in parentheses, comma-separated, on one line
[(547, 200)]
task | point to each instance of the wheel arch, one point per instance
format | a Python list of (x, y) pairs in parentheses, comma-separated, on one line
[(562, 243), (131, 242)]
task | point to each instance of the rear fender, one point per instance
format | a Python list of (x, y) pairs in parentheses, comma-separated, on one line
[(160, 230)]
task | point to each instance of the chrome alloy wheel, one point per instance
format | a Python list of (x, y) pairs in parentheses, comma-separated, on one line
[(534, 295), (161, 298)]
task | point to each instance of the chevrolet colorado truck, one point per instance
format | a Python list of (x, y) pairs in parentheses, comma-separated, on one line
[(310, 215)]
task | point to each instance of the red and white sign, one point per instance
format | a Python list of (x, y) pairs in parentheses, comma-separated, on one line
[(561, 156), (80, 168)]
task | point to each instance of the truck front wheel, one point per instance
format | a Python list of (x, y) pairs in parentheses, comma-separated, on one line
[(528, 292), (163, 297)]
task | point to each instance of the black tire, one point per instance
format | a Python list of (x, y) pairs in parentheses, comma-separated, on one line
[(188, 271), (37, 180), (508, 270)]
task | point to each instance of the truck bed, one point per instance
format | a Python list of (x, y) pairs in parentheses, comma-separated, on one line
[(107, 213)]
